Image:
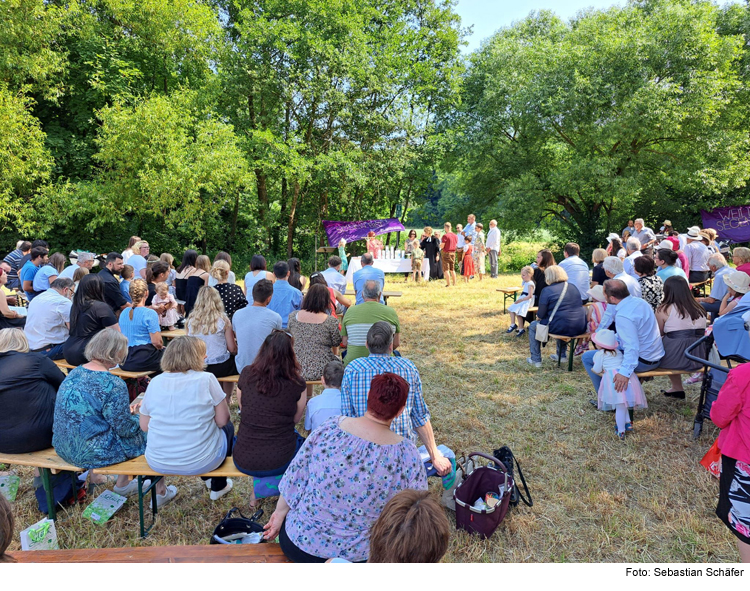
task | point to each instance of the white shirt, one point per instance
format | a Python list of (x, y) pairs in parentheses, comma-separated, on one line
[(578, 274), (628, 265), (126, 254), (68, 271), (493, 239), (182, 433), (335, 279), (633, 286), (45, 323), (216, 343), (138, 263), (697, 255)]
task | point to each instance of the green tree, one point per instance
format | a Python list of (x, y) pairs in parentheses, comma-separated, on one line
[(579, 121)]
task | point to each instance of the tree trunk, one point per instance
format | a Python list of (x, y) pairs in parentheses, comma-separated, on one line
[(292, 220), (393, 212), (235, 214)]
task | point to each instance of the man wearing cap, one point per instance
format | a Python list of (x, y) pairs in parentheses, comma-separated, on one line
[(637, 333), (697, 254), (633, 248), (644, 235), (85, 260), (718, 266)]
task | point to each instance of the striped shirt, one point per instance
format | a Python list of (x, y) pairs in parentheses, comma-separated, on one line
[(14, 260), (357, 322), (356, 386)]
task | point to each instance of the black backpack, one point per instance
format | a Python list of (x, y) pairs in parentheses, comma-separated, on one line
[(505, 455)]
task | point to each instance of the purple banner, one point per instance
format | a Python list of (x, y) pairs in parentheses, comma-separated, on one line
[(732, 223), (351, 231)]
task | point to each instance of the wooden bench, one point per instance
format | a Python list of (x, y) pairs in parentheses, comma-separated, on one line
[(138, 467), (173, 334), (573, 342), (234, 379), (701, 286), (48, 463), (508, 292), (390, 294), (121, 373), (655, 373), (262, 553)]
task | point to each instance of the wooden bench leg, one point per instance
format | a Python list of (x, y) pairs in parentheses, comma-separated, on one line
[(141, 494), (570, 354), (51, 508)]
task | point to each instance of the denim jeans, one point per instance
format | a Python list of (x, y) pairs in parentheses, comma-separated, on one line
[(535, 347), (713, 308), (53, 351), (596, 380)]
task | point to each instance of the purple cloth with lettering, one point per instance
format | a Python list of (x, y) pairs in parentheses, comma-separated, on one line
[(732, 223), (351, 231)]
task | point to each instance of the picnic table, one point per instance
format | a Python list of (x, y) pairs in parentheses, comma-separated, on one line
[(508, 292)]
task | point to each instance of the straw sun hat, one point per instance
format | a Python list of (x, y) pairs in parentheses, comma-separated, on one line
[(597, 293), (738, 281)]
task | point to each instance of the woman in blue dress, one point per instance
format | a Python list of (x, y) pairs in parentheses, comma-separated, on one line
[(93, 425)]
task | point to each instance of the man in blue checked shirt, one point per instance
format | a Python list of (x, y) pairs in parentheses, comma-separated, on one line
[(414, 421)]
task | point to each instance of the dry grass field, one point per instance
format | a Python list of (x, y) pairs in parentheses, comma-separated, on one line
[(596, 498)]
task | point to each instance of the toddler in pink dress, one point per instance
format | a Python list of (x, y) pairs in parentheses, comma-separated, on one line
[(169, 317)]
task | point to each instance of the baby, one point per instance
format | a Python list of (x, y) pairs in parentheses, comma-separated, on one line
[(169, 316)]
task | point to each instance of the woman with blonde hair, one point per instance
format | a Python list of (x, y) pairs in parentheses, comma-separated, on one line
[(186, 416), (598, 276), (741, 259), (27, 395), (231, 294), (141, 327), (226, 258), (210, 324), (93, 425), (568, 320)]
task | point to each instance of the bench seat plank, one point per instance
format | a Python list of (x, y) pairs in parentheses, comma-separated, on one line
[(46, 458), (268, 553), (121, 373), (235, 378), (655, 373), (139, 466)]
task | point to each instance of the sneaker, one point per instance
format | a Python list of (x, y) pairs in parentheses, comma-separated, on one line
[(628, 427), (537, 364), (521, 332), (207, 483), (593, 402), (167, 497), (621, 435), (131, 488), (554, 357), (511, 329), (217, 494)]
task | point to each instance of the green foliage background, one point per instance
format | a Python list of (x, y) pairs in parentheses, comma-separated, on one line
[(240, 124)]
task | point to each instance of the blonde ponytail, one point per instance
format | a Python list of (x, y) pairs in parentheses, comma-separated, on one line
[(138, 288)]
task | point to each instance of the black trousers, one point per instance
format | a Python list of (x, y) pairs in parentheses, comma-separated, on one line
[(698, 276), (294, 553), (219, 482)]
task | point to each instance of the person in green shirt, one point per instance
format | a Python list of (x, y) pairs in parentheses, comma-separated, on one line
[(358, 320)]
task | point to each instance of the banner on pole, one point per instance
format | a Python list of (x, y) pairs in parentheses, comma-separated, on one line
[(351, 231), (731, 223)]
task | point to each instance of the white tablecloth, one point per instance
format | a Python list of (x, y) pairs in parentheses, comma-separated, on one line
[(387, 266)]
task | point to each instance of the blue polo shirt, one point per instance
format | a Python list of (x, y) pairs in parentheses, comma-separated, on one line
[(286, 299), (28, 272), (365, 274)]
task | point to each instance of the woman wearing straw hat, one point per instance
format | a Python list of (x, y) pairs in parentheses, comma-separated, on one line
[(682, 321), (738, 284), (607, 362)]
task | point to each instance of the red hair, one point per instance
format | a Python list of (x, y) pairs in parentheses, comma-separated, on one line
[(387, 396)]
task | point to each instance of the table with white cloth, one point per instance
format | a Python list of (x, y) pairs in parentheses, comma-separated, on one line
[(385, 265)]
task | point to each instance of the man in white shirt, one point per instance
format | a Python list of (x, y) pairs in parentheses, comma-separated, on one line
[(613, 268), (633, 247), (697, 255), (460, 248), (718, 265), (85, 260), (333, 276), (48, 321), (493, 247), (576, 268)]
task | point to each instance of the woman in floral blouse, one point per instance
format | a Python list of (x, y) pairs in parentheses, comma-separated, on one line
[(342, 477), (652, 287)]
